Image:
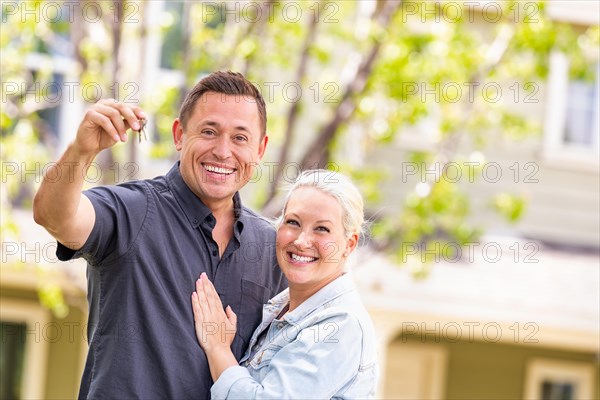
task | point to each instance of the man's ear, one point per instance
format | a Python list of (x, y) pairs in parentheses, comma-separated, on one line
[(262, 146), (177, 134)]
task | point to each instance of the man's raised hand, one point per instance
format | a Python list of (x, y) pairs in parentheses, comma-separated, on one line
[(105, 124)]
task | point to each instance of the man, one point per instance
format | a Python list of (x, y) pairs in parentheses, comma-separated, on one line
[(146, 242)]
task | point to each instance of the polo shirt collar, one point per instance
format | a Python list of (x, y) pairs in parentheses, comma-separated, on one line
[(239, 215), (195, 210)]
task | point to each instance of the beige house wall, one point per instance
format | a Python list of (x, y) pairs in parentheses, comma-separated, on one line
[(479, 369)]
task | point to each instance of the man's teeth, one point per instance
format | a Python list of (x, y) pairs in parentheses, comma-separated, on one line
[(298, 258), (218, 170)]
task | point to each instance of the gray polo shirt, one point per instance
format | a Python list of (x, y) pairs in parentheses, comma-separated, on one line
[(150, 242)]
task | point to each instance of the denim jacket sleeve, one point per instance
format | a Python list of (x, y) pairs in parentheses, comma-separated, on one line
[(316, 364)]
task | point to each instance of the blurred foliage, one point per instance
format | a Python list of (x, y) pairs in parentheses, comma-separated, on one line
[(36, 45), (510, 206), (51, 297), (430, 66)]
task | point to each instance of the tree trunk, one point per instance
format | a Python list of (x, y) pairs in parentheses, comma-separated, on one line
[(293, 111), (186, 16), (496, 53), (317, 155), (133, 142), (106, 159)]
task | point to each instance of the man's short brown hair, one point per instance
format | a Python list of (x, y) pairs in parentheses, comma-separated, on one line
[(225, 82)]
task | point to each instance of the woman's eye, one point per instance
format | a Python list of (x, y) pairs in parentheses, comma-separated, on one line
[(323, 229), (292, 222)]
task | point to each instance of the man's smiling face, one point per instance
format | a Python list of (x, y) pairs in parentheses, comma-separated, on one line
[(220, 145)]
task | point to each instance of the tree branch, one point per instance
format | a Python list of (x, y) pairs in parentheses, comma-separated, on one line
[(293, 111), (494, 56), (317, 154)]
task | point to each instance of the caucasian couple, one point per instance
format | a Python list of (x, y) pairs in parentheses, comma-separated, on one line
[(147, 242)]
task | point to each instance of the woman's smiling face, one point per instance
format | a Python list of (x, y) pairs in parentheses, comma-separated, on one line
[(311, 242)]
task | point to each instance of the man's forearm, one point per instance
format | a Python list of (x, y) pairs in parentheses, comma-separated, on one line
[(58, 199)]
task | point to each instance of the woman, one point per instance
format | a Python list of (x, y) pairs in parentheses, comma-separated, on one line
[(316, 339)]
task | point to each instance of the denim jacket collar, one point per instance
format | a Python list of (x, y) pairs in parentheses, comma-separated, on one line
[(274, 306), (334, 289)]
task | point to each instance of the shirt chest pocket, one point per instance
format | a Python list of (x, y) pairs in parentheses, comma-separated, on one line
[(264, 357), (254, 296)]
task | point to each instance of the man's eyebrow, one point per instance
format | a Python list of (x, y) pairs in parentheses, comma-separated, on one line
[(217, 125)]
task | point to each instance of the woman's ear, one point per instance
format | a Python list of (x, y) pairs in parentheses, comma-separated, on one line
[(351, 244)]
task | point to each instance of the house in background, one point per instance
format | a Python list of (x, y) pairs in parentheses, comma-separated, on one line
[(41, 354), (487, 327), (516, 316)]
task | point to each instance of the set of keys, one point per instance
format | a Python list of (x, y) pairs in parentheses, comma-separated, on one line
[(142, 130)]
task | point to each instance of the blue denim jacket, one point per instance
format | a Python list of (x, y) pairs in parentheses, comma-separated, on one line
[(323, 349)]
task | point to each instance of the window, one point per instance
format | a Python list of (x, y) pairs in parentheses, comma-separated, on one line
[(557, 390), (59, 101), (23, 351), (176, 27), (12, 353), (50, 127), (581, 125), (548, 379), (572, 116), (171, 56)]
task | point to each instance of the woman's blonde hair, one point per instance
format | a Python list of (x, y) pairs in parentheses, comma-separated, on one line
[(342, 189)]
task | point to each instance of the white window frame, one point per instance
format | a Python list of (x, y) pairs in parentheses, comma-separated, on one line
[(155, 75), (71, 101), (582, 12), (580, 374), (36, 318), (555, 151)]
